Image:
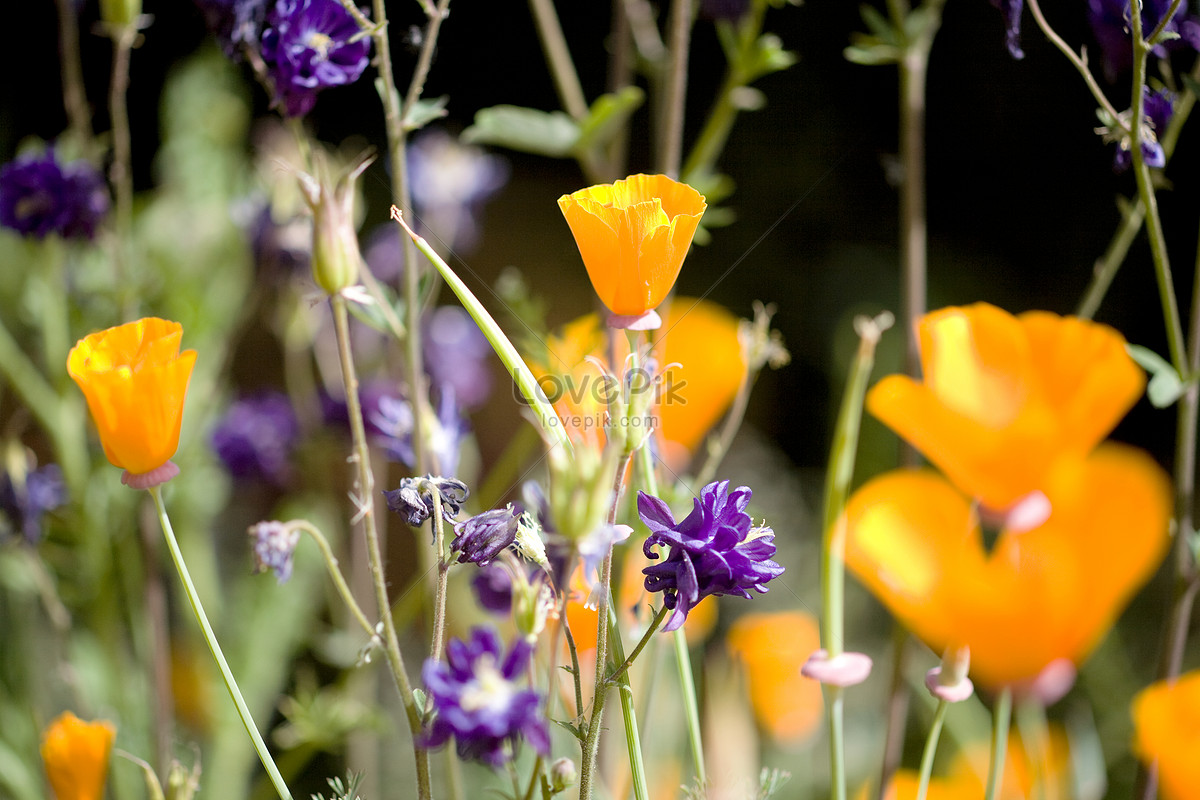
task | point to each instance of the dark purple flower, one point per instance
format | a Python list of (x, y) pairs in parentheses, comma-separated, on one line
[(25, 501), (237, 24), (479, 698), (714, 551), (1011, 11), (1112, 27), (39, 197), (493, 585), (484, 536), (457, 355), (1158, 108), (256, 437), (414, 500), (273, 545), (309, 45)]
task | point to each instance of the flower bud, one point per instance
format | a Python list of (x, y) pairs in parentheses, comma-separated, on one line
[(335, 254), (562, 775), (120, 13)]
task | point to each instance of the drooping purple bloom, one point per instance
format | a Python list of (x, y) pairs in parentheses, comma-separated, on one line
[(1112, 27), (1158, 108), (713, 551), (309, 45), (237, 24), (1011, 11), (273, 545), (484, 536), (478, 696), (414, 498), (39, 197), (256, 437), (25, 502), (450, 182), (457, 355)]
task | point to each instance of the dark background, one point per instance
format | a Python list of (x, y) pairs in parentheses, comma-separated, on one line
[(1021, 191)]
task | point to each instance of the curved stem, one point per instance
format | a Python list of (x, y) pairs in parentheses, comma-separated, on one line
[(641, 645), (210, 639), (1076, 60), (339, 582), (1001, 716), (366, 509), (931, 743)]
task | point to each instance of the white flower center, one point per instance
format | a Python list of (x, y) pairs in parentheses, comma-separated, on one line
[(320, 42), (488, 690)]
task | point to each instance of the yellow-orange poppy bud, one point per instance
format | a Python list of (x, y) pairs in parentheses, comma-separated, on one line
[(135, 380), (773, 646), (1165, 717), (76, 754), (633, 235)]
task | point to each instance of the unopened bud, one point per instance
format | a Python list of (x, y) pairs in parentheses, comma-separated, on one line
[(562, 775), (120, 13)]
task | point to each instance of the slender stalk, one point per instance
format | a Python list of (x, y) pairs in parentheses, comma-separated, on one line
[(931, 743), (1001, 716), (154, 596), (558, 58), (620, 681), (339, 581), (366, 510), (120, 171), (733, 422), (897, 709), (214, 647), (671, 139), (1077, 61), (79, 117), (1035, 741), (443, 565), (626, 663), (1105, 268)]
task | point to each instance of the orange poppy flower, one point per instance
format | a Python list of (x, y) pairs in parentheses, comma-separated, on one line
[(1166, 721), (1005, 396), (1037, 596), (135, 380), (705, 368), (633, 235), (76, 755), (774, 646)]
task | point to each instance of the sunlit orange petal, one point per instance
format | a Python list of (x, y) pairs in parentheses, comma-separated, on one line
[(134, 379), (1003, 397), (774, 646), (76, 754), (1048, 593), (1166, 722), (633, 236)]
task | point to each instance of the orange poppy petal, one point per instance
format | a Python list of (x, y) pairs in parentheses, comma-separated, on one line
[(1166, 722), (774, 646), (76, 755)]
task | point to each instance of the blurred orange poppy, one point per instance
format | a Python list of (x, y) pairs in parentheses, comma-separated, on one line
[(76, 754), (774, 646), (1166, 721), (1043, 594), (1003, 397), (633, 235), (135, 380)]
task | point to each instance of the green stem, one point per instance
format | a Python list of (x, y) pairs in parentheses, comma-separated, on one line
[(1076, 60), (339, 581), (558, 58), (211, 639), (931, 743), (366, 509), (443, 566), (620, 680), (671, 141), (733, 422), (74, 96), (1001, 715), (120, 173), (1105, 268), (626, 663)]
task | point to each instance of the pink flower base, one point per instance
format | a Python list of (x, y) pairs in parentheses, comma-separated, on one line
[(649, 321), (846, 669), (952, 693), (148, 480)]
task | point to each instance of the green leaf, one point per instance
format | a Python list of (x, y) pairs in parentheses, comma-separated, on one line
[(872, 54), (528, 130), (1191, 83), (879, 25), (607, 116), (769, 56), (1166, 385), (424, 112)]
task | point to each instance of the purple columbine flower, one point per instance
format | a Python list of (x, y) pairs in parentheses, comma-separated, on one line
[(484, 536), (256, 437), (714, 551), (1112, 27), (413, 499), (457, 355), (25, 502), (1158, 108), (237, 24), (273, 545), (479, 698), (39, 197), (310, 45), (1011, 11), (450, 182)]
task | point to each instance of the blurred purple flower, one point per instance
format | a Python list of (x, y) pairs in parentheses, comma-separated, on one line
[(25, 502), (280, 248), (414, 498), (484, 536), (450, 181), (237, 24), (456, 355), (393, 419), (309, 45), (493, 586), (384, 253), (592, 550), (273, 545), (479, 698), (39, 197), (1011, 10), (1111, 25), (713, 551), (372, 395), (256, 436)]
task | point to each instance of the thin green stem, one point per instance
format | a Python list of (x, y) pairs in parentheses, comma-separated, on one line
[(120, 171), (79, 117), (1035, 741), (1001, 715), (671, 140), (733, 422), (335, 572), (620, 681), (214, 647), (558, 58), (931, 743), (626, 663), (1079, 62), (366, 511), (443, 566)]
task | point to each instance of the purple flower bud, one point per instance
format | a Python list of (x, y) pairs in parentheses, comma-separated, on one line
[(309, 45), (26, 499), (237, 24), (39, 197), (480, 699), (273, 545), (1112, 26), (482, 537), (713, 551), (256, 437), (413, 499)]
